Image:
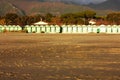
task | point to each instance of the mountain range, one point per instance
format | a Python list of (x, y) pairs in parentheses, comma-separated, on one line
[(107, 5), (56, 7)]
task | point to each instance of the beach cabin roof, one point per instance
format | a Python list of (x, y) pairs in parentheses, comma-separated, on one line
[(40, 23)]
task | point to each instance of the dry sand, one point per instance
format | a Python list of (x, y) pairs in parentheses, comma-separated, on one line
[(59, 56)]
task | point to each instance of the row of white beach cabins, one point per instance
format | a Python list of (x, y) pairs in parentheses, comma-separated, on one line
[(110, 29)]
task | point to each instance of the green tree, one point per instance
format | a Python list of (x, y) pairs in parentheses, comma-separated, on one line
[(11, 18), (68, 18), (89, 14), (2, 21), (113, 18), (28, 20), (38, 17), (48, 17), (72, 18), (24, 20)]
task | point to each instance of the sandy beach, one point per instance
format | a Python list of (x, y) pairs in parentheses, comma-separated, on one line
[(25, 56)]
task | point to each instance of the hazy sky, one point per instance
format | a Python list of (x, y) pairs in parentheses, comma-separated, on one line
[(87, 1), (78, 1)]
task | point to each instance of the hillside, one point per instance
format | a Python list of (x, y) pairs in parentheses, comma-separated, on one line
[(7, 7), (56, 7), (39, 7), (107, 5)]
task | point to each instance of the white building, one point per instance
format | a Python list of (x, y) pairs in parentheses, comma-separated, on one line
[(92, 22), (40, 23)]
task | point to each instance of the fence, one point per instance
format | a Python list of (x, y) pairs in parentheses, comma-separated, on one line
[(82, 29)]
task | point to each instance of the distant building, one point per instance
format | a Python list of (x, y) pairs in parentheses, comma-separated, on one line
[(40, 23), (92, 22)]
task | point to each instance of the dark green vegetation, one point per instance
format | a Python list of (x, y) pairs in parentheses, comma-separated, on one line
[(68, 18), (59, 57)]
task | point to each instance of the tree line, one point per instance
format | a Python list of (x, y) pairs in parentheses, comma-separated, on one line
[(68, 18)]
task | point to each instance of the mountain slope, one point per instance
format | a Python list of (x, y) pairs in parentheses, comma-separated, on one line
[(47, 6), (6, 7), (107, 5), (54, 6)]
